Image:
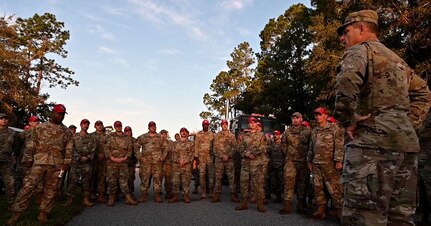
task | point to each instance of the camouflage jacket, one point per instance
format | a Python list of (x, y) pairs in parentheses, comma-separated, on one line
[(169, 150), (83, 146), (118, 146), (49, 144), (8, 145), (276, 153), (101, 141), (296, 143), (326, 145), (255, 142), (183, 150), (135, 149), (224, 144), (204, 145), (151, 148), (372, 79)]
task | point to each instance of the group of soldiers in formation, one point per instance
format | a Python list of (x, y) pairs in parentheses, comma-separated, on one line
[(371, 174), (103, 162)]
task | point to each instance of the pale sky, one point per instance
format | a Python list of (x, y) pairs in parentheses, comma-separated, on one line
[(148, 60)]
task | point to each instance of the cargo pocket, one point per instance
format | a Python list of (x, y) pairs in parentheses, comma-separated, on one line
[(360, 181)]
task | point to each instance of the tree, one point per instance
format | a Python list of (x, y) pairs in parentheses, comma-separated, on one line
[(24, 46), (280, 82), (40, 36), (228, 85)]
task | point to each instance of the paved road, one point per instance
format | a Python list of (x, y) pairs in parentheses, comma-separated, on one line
[(198, 212)]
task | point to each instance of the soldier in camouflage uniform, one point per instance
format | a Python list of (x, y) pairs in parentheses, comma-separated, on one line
[(99, 167), (380, 101), (296, 140), (325, 160), (151, 156), (84, 147), (204, 153), (224, 150), (8, 151), (182, 157), (48, 152), (252, 148), (118, 150), (167, 165), (131, 163), (276, 165)]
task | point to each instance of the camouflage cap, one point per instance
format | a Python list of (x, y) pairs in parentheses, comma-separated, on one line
[(360, 16), (163, 131), (3, 115), (297, 114)]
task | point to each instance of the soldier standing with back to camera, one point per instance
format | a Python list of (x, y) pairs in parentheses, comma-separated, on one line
[(167, 164), (276, 165), (131, 162), (48, 152), (380, 101)]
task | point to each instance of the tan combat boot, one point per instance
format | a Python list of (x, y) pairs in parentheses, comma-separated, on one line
[(142, 198), (130, 200), (186, 198), (216, 197), (87, 203), (101, 199), (243, 205), (14, 219), (68, 202), (261, 205), (158, 198), (234, 197), (42, 218), (111, 200), (174, 199), (287, 208), (320, 213)]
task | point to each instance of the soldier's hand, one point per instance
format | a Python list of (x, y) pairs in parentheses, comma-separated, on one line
[(338, 165), (310, 166), (197, 160), (100, 157), (251, 156), (225, 158), (351, 130), (27, 164)]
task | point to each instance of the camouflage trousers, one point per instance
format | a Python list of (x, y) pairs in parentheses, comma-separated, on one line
[(222, 167), (132, 177), (237, 163), (325, 175), (379, 186), (146, 171), (7, 175), (254, 174), (295, 174), (181, 177), (20, 172), (99, 177), (276, 178), (204, 168), (48, 173), (167, 175), (117, 173), (80, 172)]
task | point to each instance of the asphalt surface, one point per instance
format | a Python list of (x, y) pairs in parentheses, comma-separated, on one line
[(198, 212)]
